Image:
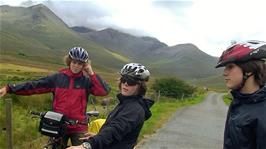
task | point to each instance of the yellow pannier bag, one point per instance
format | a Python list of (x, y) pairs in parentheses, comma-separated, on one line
[(94, 126)]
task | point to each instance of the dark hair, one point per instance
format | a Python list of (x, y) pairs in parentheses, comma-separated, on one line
[(141, 90), (257, 68)]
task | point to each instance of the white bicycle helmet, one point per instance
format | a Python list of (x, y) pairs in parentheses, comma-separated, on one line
[(78, 53), (136, 71)]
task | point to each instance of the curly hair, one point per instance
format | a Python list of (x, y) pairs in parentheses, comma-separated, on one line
[(67, 60)]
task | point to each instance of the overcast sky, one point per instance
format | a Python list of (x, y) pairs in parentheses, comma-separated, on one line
[(209, 24)]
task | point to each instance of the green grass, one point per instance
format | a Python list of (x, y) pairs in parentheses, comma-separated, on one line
[(227, 99)]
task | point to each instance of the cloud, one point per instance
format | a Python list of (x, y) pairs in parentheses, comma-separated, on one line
[(79, 13)]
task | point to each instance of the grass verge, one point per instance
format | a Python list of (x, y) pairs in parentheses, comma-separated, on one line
[(227, 99)]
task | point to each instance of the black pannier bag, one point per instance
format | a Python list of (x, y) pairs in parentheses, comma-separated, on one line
[(53, 124)]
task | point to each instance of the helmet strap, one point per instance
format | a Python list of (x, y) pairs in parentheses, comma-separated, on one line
[(245, 77)]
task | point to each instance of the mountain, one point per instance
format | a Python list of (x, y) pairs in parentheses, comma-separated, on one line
[(124, 44), (213, 82), (185, 60), (36, 35)]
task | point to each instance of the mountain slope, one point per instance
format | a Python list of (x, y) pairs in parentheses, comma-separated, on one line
[(125, 44), (35, 34), (185, 60)]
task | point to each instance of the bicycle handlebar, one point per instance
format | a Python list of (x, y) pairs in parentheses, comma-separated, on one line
[(69, 121)]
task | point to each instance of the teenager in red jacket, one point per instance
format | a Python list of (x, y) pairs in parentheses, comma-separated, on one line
[(70, 88), (245, 75)]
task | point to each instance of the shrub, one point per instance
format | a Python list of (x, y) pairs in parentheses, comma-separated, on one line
[(173, 87)]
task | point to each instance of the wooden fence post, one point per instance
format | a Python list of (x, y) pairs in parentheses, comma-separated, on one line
[(159, 95), (182, 98), (8, 105)]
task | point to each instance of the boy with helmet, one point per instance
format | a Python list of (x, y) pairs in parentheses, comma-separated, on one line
[(123, 125), (245, 75), (70, 87)]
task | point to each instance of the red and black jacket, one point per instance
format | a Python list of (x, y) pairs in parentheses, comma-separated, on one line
[(70, 93)]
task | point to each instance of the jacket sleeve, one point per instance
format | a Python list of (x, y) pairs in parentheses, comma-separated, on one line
[(42, 85), (118, 127), (261, 131), (99, 87)]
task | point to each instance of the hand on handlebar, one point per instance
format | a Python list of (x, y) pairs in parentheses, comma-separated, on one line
[(76, 147), (87, 136)]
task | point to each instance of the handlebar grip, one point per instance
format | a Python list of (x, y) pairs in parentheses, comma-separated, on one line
[(71, 122), (93, 113), (37, 113)]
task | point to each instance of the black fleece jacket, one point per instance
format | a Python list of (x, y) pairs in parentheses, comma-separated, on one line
[(246, 121), (123, 124)]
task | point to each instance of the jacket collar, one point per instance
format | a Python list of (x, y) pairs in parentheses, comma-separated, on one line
[(123, 98), (145, 103), (69, 73), (256, 97)]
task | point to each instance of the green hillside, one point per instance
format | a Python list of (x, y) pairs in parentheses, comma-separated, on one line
[(35, 35), (185, 60), (212, 83)]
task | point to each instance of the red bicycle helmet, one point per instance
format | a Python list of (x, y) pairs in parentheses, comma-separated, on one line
[(242, 52)]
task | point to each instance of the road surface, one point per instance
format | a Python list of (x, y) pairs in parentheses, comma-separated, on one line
[(199, 126)]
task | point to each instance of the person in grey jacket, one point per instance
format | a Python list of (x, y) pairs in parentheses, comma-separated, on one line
[(123, 124), (245, 75)]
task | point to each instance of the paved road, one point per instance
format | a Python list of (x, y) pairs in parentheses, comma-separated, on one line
[(196, 127)]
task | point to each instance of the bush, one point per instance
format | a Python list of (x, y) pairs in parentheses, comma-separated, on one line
[(173, 87)]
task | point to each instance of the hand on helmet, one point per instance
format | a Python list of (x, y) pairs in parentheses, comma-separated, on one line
[(88, 69)]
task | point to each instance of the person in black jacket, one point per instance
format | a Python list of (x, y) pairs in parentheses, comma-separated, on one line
[(123, 124), (245, 75)]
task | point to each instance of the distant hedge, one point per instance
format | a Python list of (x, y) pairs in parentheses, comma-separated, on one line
[(173, 87)]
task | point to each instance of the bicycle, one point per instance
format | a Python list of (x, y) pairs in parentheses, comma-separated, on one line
[(54, 125)]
